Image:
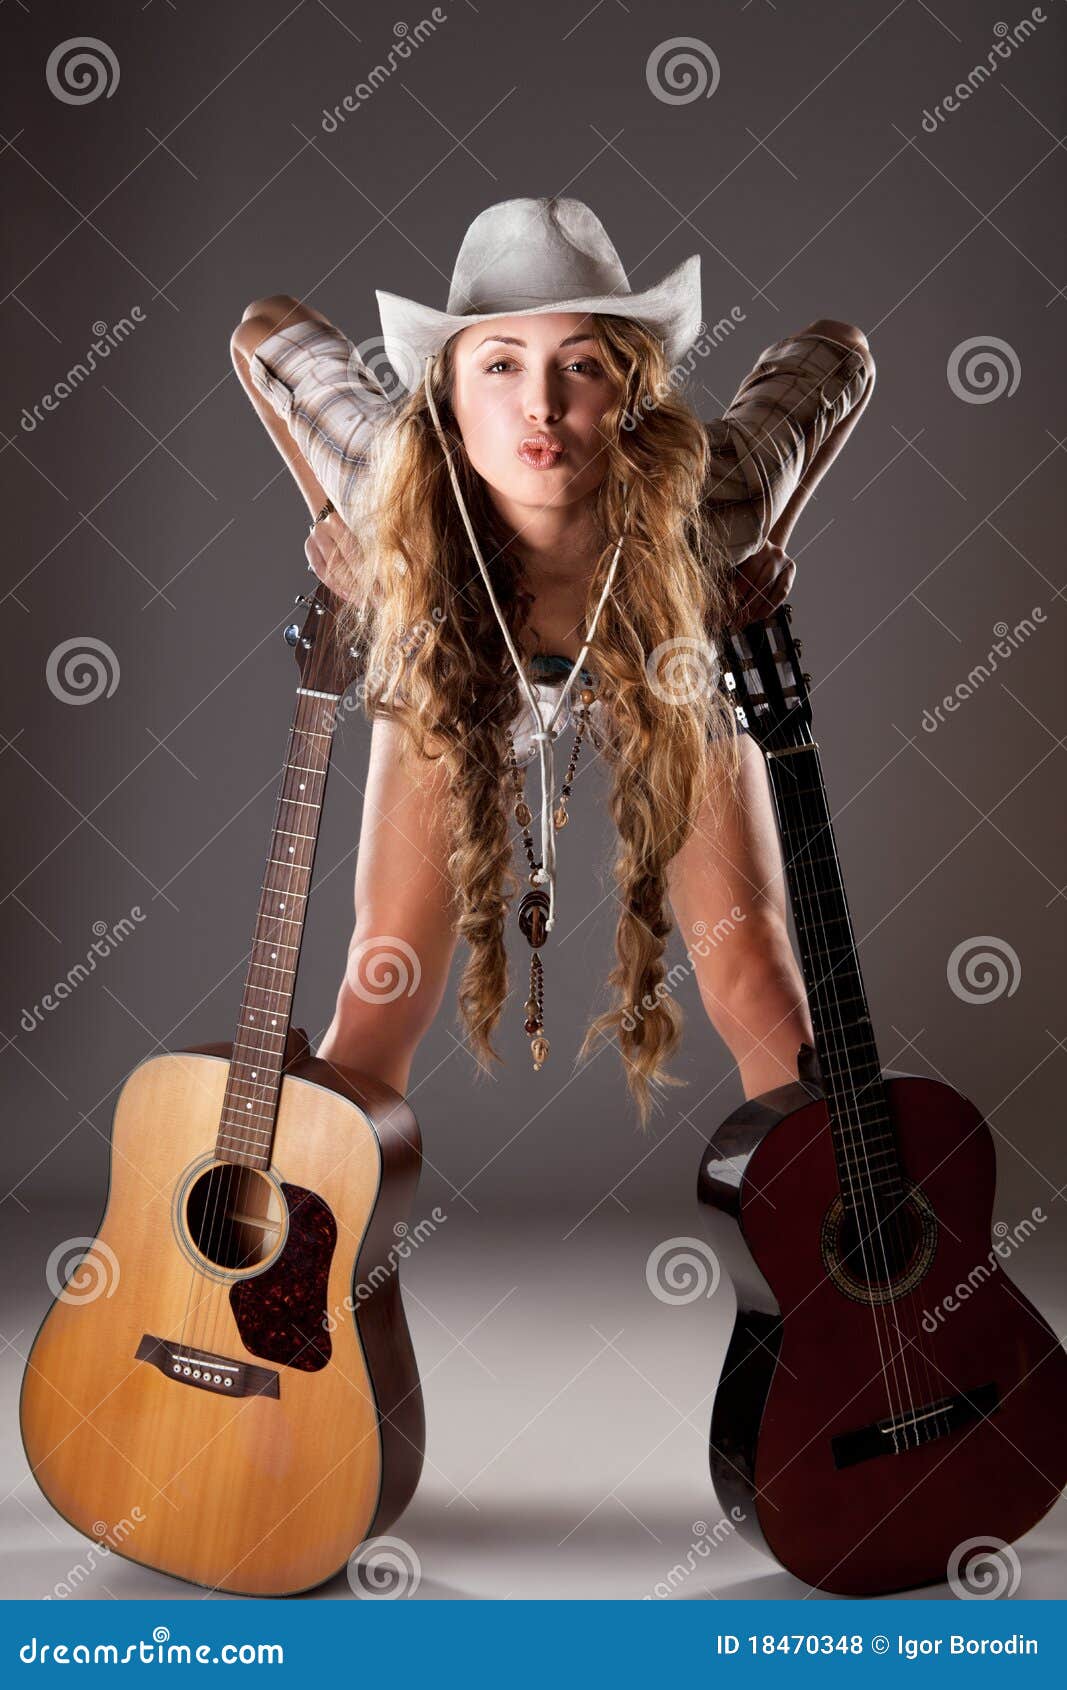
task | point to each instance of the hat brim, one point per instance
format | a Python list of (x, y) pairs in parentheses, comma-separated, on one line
[(411, 332)]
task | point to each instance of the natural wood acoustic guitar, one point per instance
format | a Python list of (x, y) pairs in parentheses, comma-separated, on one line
[(239, 1404)]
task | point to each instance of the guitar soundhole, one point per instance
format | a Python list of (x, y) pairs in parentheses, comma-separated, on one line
[(235, 1217), (877, 1264)]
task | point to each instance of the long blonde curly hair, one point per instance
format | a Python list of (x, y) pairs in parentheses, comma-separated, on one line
[(432, 655)]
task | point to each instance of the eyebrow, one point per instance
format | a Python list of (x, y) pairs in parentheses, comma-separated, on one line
[(510, 340)]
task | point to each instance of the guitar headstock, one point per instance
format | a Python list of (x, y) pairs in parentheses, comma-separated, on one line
[(325, 664), (764, 680)]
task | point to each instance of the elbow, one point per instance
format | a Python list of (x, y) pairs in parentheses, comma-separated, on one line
[(261, 318), (847, 333), (272, 308)]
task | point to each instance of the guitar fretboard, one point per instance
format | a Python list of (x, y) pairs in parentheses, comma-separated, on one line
[(246, 1129), (865, 1146)]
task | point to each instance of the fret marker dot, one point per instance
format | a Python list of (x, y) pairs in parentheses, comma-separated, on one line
[(301, 786), (248, 1106), (292, 848), (254, 1071), (274, 1023), (273, 956), (281, 906)]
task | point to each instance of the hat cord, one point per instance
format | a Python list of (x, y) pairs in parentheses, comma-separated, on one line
[(542, 735)]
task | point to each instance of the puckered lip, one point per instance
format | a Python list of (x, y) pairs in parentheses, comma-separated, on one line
[(542, 442)]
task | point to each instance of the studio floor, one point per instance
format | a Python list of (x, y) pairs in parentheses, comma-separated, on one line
[(567, 1416)]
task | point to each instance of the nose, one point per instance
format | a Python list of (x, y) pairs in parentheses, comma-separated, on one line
[(542, 401)]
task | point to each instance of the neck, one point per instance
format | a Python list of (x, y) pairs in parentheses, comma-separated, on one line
[(554, 545)]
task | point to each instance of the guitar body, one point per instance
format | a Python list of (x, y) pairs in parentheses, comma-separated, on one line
[(320, 1443), (803, 1368)]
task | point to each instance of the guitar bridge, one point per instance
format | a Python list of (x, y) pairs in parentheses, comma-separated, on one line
[(206, 1371), (915, 1426)]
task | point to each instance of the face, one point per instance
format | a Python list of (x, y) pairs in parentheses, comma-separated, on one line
[(528, 395)]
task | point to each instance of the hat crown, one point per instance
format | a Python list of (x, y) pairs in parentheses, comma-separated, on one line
[(524, 252)]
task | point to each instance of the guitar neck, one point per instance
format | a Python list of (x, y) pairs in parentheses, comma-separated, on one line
[(246, 1129), (864, 1142)]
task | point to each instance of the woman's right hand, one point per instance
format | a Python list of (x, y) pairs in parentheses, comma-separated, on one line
[(327, 550)]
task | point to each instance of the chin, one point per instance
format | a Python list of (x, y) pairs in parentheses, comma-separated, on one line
[(537, 489)]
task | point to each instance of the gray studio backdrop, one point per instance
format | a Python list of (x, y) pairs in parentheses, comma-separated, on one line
[(808, 153)]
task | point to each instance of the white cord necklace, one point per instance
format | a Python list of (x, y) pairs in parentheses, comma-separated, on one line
[(543, 735)]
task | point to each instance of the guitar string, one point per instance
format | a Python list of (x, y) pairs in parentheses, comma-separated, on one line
[(814, 921), (301, 742), (902, 1305), (800, 884), (853, 1131), (219, 1174)]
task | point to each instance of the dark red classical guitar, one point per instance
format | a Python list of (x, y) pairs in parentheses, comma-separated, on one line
[(225, 1388), (868, 1423)]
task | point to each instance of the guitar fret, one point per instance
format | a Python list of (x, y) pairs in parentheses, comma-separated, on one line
[(260, 1043), (247, 1118), (253, 1132)]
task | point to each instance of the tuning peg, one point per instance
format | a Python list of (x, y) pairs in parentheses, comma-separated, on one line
[(291, 635), (798, 646), (806, 678), (302, 598)]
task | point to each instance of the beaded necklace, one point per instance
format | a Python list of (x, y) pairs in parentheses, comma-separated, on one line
[(537, 913), (533, 909)]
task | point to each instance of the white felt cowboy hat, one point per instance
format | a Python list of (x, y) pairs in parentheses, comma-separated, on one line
[(526, 257)]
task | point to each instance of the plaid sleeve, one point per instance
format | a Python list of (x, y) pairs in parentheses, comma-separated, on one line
[(798, 391), (314, 378)]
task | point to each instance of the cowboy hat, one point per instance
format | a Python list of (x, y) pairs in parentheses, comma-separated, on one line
[(528, 257)]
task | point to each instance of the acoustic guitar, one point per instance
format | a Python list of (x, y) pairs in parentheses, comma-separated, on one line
[(239, 1406), (871, 1422)]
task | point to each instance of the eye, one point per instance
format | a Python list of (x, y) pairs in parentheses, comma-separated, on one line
[(490, 367), (590, 366)]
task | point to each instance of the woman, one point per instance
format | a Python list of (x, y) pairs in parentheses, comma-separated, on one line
[(594, 503)]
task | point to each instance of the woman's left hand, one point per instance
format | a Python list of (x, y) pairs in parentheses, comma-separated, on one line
[(762, 581)]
